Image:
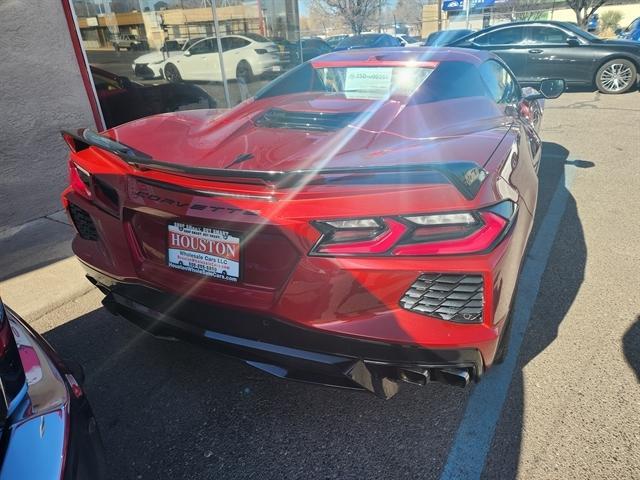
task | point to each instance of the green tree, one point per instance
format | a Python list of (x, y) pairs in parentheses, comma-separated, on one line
[(610, 20)]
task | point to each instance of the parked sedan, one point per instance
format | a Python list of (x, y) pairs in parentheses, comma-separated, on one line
[(244, 57), (122, 100), (535, 50), (334, 40), (309, 47), (368, 40), (361, 222), (48, 430)]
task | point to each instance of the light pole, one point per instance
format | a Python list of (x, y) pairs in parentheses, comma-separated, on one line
[(216, 25), (467, 10)]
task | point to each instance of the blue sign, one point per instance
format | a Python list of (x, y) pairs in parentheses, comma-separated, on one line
[(458, 5), (452, 5)]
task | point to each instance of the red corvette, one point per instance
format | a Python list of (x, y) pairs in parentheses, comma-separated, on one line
[(361, 221)]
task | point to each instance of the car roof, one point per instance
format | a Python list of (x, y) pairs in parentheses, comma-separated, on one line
[(401, 54), (555, 23)]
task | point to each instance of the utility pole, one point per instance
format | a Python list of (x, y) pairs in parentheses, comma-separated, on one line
[(467, 10), (227, 97)]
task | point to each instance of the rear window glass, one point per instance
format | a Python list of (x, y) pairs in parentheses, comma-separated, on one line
[(374, 83), (447, 81)]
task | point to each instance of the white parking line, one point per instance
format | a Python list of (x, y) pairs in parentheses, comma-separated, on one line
[(472, 442)]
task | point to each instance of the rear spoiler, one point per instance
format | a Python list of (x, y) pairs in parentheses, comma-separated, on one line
[(467, 177)]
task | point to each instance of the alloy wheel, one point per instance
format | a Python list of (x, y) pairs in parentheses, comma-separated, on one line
[(616, 77)]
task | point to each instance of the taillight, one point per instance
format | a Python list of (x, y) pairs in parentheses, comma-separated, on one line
[(414, 235), (358, 237), (80, 180), (454, 238)]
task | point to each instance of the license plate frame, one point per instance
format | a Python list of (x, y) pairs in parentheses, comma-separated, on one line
[(207, 251)]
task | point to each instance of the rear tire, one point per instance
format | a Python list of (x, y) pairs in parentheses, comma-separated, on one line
[(616, 76), (244, 72), (171, 73)]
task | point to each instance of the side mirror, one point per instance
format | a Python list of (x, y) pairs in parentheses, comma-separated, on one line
[(573, 41), (552, 87), (187, 53), (618, 31), (549, 88)]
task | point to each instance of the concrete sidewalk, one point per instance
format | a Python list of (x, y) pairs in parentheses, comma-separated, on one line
[(38, 271)]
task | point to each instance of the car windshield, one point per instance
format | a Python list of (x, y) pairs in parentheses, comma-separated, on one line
[(446, 36), (359, 40), (256, 38)]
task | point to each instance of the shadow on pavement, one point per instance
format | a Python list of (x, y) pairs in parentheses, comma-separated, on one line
[(173, 410), (559, 286), (631, 347), (34, 245)]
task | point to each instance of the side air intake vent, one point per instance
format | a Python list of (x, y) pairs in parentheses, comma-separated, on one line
[(83, 222), (457, 298), (319, 121)]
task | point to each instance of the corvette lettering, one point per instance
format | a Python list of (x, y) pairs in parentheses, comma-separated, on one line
[(158, 199), (191, 206)]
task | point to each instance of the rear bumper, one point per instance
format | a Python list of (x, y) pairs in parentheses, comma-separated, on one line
[(286, 350)]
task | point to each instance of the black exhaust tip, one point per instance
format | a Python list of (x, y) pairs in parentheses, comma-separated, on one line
[(416, 377), (458, 377)]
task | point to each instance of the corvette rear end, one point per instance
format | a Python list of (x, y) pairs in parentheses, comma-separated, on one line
[(337, 231)]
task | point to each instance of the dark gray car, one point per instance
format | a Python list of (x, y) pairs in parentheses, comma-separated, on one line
[(538, 50)]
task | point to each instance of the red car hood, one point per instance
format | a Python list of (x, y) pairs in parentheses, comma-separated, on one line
[(377, 134)]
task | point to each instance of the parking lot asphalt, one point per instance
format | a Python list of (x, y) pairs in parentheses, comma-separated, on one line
[(571, 392)]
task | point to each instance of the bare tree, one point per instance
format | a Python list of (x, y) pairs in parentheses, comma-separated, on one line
[(356, 14), (522, 10), (584, 9), (409, 11)]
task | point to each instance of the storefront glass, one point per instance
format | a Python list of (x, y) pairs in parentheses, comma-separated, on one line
[(149, 56)]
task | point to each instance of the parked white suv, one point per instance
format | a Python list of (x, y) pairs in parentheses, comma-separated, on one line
[(244, 57), (128, 42)]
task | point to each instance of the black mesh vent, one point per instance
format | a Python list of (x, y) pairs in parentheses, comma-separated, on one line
[(82, 221), (278, 118), (457, 298)]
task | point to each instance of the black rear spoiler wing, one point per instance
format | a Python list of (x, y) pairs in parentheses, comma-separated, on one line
[(467, 177)]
